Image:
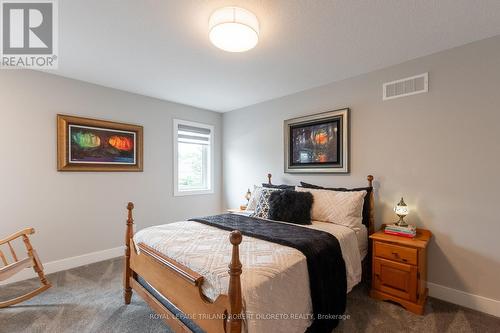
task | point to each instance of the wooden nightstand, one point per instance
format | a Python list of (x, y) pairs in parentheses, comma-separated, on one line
[(240, 211), (399, 269)]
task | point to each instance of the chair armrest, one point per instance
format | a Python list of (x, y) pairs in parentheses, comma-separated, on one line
[(27, 231)]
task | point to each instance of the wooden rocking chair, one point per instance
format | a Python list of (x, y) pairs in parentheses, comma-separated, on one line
[(31, 260)]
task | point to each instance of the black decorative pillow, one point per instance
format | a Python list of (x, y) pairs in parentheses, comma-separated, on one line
[(316, 187), (262, 206), (291, 206), (366, 203), (280, 187)]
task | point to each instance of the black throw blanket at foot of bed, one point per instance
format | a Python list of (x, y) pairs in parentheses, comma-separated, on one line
[(327, 272)]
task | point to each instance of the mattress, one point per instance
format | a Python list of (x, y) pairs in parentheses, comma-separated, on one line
[(362, 236), (268, 268)]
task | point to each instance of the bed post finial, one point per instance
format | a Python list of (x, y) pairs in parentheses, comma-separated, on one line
[(269, 176), (234, 320), (370, 180), (235, 237), (130, 207), (127, 272)]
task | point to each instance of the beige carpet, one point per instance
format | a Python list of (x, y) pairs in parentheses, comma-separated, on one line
[(89, 299)]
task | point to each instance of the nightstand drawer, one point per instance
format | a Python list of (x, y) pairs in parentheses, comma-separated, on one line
[(395, 279), (395, 252)]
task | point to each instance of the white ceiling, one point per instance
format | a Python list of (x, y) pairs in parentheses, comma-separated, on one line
[(160, 48)]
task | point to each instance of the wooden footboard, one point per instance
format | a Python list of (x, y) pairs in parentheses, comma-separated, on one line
[(182, 287)]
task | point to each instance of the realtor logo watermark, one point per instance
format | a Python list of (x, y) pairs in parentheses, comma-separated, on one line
[(29, 34)]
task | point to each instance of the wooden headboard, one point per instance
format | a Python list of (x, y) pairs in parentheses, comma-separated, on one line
[(371, 220)]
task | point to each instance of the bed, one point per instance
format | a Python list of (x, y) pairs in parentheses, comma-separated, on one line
[(180, 270)]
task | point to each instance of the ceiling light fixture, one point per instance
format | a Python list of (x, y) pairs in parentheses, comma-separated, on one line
[(233, 29)]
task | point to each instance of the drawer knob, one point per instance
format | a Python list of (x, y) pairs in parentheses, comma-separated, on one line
[(395, 254)]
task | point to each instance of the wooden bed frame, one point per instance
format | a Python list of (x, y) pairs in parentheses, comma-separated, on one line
[(182, 287)]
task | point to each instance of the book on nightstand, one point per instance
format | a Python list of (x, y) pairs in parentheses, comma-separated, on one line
[(392, 229)]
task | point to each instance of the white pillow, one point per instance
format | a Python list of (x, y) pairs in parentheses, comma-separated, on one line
[(344, 208), (254, 198)]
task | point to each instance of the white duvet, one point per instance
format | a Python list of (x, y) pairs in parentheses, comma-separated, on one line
[(275, 280)]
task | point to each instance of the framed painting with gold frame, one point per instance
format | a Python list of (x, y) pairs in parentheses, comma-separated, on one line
[(85, 144), (317, 143)]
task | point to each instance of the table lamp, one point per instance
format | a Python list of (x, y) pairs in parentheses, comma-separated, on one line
[(248, 195), (401, 210)]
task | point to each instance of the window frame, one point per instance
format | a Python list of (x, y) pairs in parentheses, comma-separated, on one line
[(210, 157)]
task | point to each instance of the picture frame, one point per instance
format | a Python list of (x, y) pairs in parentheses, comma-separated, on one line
[(85, 144), (317, 143)]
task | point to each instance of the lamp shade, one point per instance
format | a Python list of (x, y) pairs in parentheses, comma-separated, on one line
[(401, 208), (233, 29)]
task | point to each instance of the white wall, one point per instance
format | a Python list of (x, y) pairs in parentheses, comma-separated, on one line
[(440, 150), (77, 213)]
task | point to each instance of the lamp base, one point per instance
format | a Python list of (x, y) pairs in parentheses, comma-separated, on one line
[(401, 222)]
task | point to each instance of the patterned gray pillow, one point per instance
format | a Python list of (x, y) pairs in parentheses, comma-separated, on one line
[(262, 206), (252, 203)]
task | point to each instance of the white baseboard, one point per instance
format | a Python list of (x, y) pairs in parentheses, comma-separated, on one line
[(475, 302), (68, 263)]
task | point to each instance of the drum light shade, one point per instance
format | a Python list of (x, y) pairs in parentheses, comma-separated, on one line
[(233, 29)]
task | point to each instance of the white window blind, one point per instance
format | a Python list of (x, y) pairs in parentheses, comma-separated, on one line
[(193, 158)]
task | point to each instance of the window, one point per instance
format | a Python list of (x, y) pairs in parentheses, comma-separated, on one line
[(193, 158)]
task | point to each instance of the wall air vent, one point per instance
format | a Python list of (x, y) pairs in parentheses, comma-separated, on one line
[(405, 87)]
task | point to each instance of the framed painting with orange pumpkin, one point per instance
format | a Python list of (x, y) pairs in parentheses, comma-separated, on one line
[(85, 144), (318, 143)]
